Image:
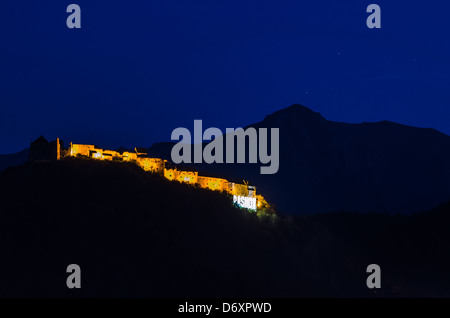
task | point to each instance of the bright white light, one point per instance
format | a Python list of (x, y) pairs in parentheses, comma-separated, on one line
[(245, 202)]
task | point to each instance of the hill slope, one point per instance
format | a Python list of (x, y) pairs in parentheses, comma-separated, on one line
[(137, 234)]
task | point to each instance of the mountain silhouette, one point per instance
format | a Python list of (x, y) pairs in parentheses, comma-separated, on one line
[(328, 166), (15, 159)]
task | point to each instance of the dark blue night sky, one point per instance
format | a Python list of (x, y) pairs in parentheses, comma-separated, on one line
[(137, 70)]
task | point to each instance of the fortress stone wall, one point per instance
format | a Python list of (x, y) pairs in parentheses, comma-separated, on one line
[(244, 195)]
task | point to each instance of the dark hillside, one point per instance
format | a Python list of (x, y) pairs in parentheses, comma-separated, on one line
[(137, 234)]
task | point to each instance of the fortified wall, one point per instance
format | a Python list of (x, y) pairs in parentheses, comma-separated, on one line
[(244, 195)]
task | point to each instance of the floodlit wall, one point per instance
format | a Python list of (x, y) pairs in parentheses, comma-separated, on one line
[(170, 174), (182, 176), (238, 189), (243, 195), (110, 154), (151, 164), (83, 150), (218, 184), (58, 149), (129, 156), (187, 176)]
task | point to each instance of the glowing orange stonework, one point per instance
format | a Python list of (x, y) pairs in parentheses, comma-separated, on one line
[(157, 165)]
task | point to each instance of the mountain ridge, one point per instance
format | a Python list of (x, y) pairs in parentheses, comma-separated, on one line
[(14, 159), (362, 167), (328, 166)]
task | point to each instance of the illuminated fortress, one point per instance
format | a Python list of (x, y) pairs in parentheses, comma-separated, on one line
[(244, 195)]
